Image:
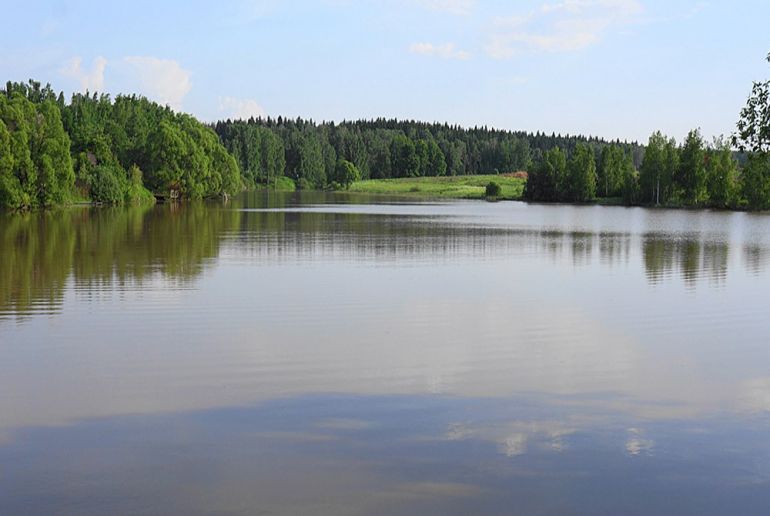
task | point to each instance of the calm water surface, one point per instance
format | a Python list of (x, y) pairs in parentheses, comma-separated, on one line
[(311, 354)]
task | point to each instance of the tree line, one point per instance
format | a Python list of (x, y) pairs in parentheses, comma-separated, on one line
[(127, 149), (104, 150), (694, 173), (321, 155)]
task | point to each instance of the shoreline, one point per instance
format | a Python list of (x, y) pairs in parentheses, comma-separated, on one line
[(466, 188)]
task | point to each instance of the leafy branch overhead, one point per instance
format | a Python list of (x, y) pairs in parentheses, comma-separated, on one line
[(754, 125)]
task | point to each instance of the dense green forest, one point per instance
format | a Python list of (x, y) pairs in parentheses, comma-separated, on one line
[(104, 150), (311, 153), (128, 150), (694, 173)]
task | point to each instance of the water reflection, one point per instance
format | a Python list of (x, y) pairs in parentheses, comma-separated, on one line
[(104, 247), (688, 256), (481, 358), (391, 454), (96, 248)]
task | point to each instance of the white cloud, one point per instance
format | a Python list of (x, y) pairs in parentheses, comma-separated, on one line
[(561, 27), (445, 51), (516, 437), (89, 80), (162, 80), (240, 108), (514, 444), (636, 444), (457, 7)]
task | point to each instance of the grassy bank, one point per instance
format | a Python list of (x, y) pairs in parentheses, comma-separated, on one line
[(457, 187)]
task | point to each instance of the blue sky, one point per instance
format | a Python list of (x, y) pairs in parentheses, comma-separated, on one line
[(612, 68)]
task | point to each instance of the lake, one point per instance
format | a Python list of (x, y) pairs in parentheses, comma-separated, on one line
[(333, 354)]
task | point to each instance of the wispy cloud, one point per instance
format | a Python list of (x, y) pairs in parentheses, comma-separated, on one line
[(566, 26), (92, 80), (445, 51), (240, 109), (163, 80), (637, 444), (457, 7)]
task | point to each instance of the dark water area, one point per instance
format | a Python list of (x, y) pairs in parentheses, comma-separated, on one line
[(341, 354)]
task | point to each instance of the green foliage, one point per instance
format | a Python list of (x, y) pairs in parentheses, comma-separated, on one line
[(754, 137), (691, 178), (630, 181), (755, 181), (691, 175), (185, 156), (547, 181), (754, 123), (435, 163), (404, 158), (107, 184), (173, 150), (305, 162), (390, 148), (721, 175), (556, 179), (345, 174), (493, 190), (656, 175), (35, 163), (43, 141), (610, 178), (304, 184), (258, 151), (457, 187), (117, 146), (581, 175), (283, 184)]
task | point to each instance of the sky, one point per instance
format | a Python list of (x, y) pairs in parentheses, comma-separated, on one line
[(618, 69)]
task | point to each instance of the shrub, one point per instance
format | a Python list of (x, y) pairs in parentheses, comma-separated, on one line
[(493, 189), (135, 192), (106, 185), (304, 184), (345, 174), (283, 184)]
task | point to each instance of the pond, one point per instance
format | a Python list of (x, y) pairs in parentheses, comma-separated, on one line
[(340, 354)]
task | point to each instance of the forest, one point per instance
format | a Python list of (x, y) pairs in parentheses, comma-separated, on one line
[(328, 155), (693, 174), (130, 150), (102, 150)]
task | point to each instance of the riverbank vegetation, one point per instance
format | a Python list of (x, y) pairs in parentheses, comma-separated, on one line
[(458, 187), (309, 152), (693, 174), (130, 150), (102, 150)]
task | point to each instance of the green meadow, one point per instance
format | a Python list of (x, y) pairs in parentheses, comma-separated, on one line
[(454, 187)]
